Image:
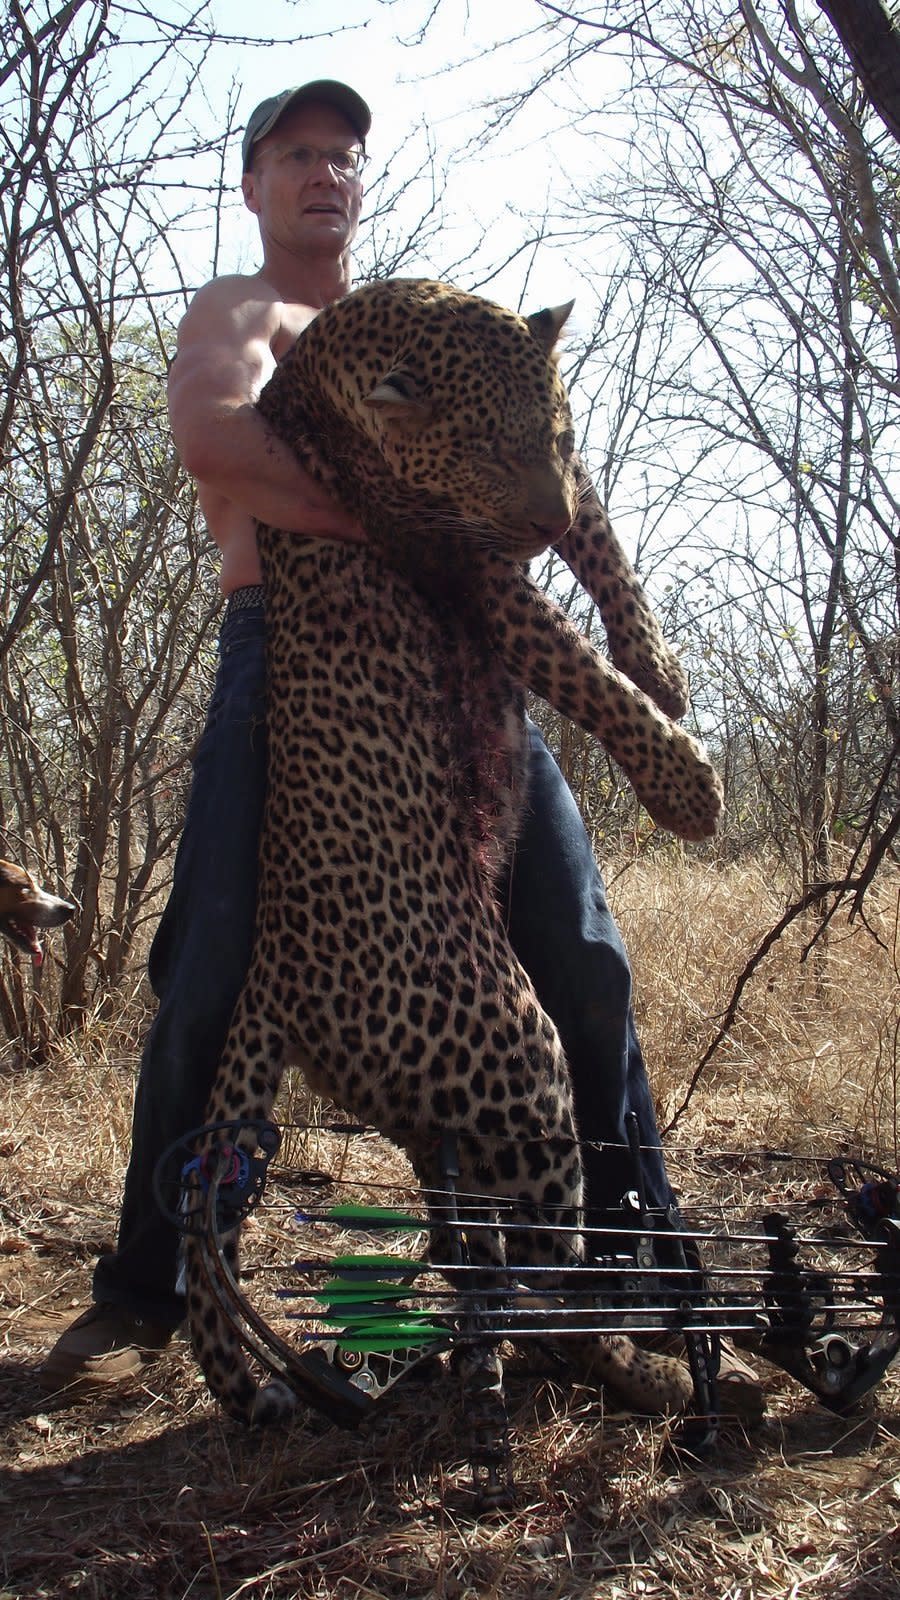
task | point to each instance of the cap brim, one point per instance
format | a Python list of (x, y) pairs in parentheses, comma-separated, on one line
[(327, 91)]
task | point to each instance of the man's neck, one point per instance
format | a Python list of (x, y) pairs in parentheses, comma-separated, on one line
[(309, 281)]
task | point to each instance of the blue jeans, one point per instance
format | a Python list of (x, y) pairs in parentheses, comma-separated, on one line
[(559, 923), (197, 964), (563, 932)]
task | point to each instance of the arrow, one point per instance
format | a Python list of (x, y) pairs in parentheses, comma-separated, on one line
[(385, 1334), (366, 1216), (360, 1268), (339, 1290)]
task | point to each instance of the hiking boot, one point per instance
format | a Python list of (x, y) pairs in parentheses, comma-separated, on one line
[(104, 1346)]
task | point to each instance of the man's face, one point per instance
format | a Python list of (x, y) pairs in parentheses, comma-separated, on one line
[(301, 207)]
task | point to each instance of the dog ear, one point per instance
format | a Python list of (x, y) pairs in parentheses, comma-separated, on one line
[(547, 325)]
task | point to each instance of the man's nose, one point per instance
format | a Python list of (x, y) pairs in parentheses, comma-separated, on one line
[(322, 167)]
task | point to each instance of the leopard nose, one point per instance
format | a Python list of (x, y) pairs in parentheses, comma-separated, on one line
[(548, 522), (550, 532), (550, 505)]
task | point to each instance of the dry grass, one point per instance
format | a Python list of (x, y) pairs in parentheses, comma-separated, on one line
[(815, 1052), (151, 1493)]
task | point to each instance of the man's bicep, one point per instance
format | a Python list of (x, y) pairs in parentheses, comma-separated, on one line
[(213, 377), (207, 384), (223, 356)]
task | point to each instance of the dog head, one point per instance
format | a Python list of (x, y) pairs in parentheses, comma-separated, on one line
[(24, 908)]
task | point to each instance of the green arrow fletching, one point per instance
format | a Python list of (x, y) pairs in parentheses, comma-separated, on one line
[(375, 1217), (339, 1290), (393, 1336), (381, 1264)]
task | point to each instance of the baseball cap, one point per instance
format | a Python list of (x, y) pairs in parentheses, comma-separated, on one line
[(267, 113)]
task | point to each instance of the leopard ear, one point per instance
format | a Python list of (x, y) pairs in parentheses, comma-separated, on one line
[(396, 396), (546, 326)]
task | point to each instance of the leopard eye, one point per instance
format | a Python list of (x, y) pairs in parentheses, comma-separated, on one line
[(403, 382), (565, 444)]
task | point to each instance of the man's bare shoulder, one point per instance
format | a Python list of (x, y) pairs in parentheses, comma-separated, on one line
[(234, 298), (243, 309)]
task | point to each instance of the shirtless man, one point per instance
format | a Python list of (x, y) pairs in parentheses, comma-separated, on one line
[(237, 328), (303, 153)]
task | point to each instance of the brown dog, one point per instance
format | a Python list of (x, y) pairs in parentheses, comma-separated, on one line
[(24, 908)]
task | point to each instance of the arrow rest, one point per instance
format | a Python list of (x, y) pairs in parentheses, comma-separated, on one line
[(233, 1157)]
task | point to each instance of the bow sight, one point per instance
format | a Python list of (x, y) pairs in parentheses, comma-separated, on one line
[(349, 1294)]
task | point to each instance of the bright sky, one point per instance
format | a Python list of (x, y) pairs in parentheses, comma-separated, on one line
[(407, 80), (446, 76)]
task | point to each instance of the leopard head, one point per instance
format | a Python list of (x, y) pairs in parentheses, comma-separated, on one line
[(424, 397)]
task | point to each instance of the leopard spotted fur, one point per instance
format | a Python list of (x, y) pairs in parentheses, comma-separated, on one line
[(396, 674)]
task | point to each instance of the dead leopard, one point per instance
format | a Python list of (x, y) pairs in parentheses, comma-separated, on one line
[(396, 675)]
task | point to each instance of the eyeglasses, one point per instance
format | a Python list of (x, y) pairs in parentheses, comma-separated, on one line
[(346, 163)]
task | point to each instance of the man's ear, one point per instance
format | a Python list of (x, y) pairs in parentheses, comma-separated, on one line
[(397, 398), (248, 189)]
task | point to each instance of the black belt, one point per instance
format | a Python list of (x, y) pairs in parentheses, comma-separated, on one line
[(252, 595)]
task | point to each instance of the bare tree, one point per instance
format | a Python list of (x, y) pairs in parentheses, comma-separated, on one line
[(741, 387), (741, 384), (108, 595), (871, 37)]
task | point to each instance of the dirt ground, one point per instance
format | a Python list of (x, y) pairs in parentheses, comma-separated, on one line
[(151, 1492)]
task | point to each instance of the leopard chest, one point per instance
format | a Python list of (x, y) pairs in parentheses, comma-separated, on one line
[(386, 708)]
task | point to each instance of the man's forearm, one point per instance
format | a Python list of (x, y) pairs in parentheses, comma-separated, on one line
[(238, 457)]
